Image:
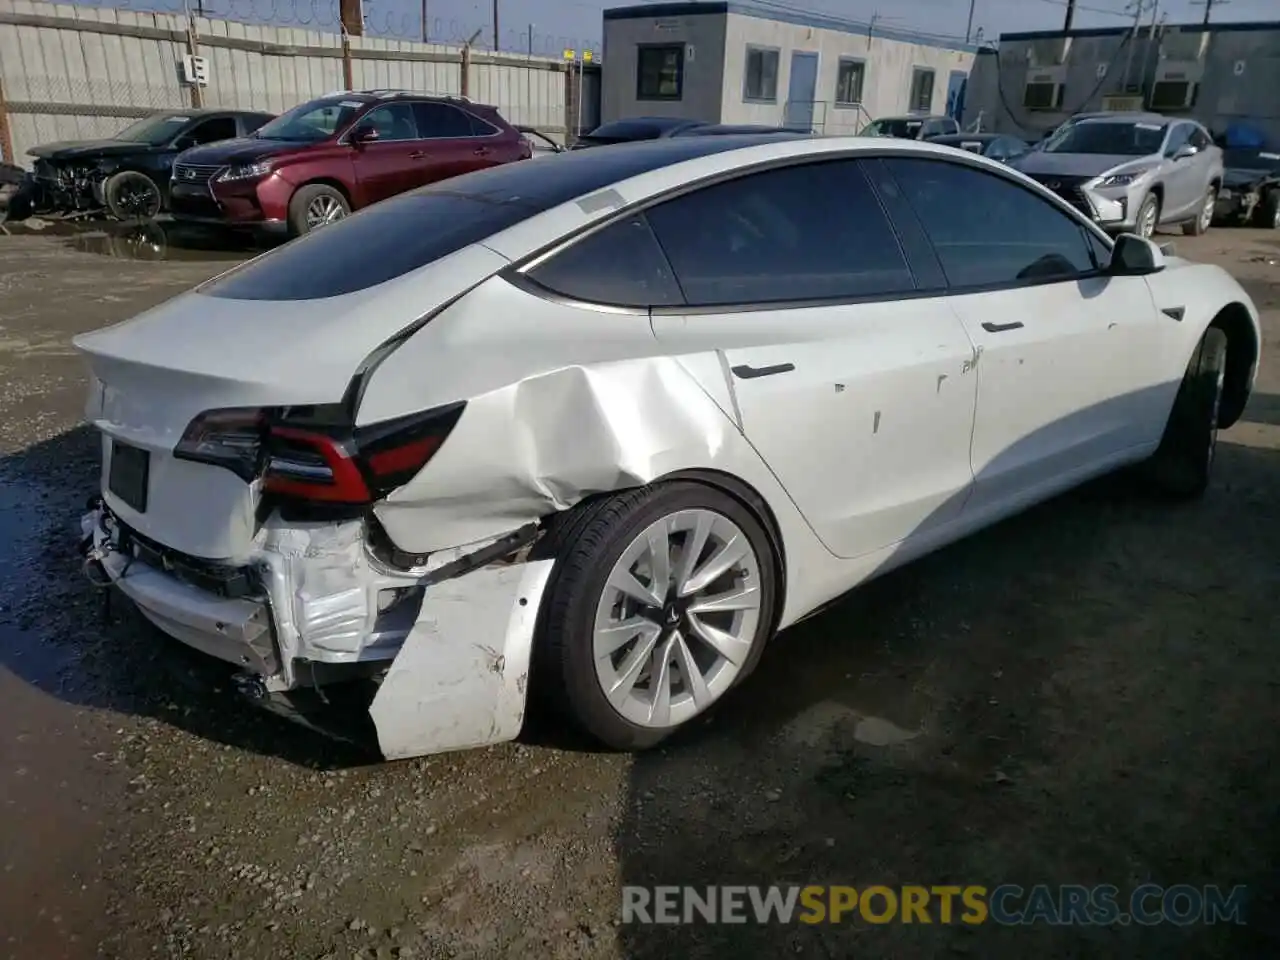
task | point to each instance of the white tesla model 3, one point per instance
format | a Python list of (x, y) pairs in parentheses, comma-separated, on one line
[(601, 426)]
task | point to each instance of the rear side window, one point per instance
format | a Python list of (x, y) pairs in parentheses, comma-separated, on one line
[(988, 231), (775, 236), (378, 244), (620, 265), (439, 120)]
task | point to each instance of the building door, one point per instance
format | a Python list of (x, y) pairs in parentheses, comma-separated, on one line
[(802, 89), (956, 85)]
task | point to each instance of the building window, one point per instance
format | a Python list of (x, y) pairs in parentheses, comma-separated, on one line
[(761, 82), (921, 90), (849, 77), (660, 72)]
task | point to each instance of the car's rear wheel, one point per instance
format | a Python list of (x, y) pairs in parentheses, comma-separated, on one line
[(314, 206), (661, 601), (1148, 216), (1182, 464), (130, 195), (1269, 210), (1204, 219)]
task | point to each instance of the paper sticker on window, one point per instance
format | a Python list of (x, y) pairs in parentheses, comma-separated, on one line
[(1269, 156), (972, 145), (1148, 126), (351, 103), (177, 119)]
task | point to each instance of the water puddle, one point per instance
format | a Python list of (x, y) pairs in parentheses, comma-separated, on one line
[(159, 241)]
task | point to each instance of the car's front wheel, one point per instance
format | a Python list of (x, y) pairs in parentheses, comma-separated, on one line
[(314, 206), (1204, 219), (1148, 217), (130, 195), (1269, 210), (1182, 464), (661, 601)]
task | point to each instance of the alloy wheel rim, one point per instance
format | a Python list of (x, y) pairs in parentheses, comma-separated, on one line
[(677, 618), (1206, 214), (324, 210), (138, 199)]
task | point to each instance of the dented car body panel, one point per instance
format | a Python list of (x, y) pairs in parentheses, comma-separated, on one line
[(377, 464)]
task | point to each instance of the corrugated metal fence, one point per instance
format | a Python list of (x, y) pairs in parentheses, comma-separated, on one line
[(69, 72)]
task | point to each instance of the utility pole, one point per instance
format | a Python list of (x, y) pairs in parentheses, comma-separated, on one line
[(1071, 15), (1208, 7), (426, 30), (969, 28), (495, 26), (1138, 7)]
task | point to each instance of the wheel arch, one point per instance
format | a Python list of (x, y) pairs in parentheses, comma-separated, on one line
[(1236, 322), (334, 182)]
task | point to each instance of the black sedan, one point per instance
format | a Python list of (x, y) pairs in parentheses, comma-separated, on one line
[(997, 146), (127, 174)]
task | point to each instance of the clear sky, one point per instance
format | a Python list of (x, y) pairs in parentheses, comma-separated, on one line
[(555, 25)]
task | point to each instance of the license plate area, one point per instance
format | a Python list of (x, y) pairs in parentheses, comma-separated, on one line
[(129, 474)]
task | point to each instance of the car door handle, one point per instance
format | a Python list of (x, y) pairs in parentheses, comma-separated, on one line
[(748, 372), (481, 151), (418, 155), (1001, 327)]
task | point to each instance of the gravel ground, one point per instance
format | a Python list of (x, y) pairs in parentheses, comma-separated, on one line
[(1084, 694)]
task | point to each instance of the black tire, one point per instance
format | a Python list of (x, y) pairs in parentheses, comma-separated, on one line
[(300, 206), (1150, 201), (1268, 212), (1200, 224), (131, 195), (586, 543), (1181, 466)]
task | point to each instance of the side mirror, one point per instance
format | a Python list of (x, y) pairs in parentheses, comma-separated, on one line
[(1184, 151), (1135, 256), (365, 133)]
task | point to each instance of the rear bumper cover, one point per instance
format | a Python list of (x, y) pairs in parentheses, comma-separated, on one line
[(453, 670)]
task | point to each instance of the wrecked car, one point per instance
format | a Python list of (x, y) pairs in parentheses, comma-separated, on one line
[(616, 420), (1250, 191), (126, 176)]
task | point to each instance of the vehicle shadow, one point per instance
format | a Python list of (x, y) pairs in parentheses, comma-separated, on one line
[(1082, 694), (89, 647)]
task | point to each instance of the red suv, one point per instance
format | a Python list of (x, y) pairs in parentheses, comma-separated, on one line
[(325, 158)]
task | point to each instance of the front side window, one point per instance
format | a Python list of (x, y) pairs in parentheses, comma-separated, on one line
[(1199, 138), (211, 131), (1179, 137), (660, 72), (770, 237), (393, 122), (988, 231), (761, 80), (621, 265), (849, 80), (922, 90)]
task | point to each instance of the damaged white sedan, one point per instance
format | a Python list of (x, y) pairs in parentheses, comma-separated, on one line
[(602, 427)]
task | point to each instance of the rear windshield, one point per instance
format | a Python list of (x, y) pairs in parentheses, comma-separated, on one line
[(393, 237)]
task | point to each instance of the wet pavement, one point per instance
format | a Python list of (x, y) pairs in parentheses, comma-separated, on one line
[(1086, 693)]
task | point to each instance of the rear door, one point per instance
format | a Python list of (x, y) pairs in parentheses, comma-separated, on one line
[(1070, 370), (388, 165), (844, 369), (450, 143)]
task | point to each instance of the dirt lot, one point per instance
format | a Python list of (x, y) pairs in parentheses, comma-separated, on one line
[(1086, 694)]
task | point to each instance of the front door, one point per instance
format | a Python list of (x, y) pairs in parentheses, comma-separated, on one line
[(1183, 188), (1068, 360), (801, 90), (855, 397), (386, 166)]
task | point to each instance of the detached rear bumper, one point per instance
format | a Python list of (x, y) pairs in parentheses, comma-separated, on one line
[(450, 657)]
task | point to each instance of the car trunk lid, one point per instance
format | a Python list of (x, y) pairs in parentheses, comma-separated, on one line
[(154, 374)]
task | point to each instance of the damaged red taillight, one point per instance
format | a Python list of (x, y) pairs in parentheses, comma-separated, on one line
[(226, 438), (303, 458)]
